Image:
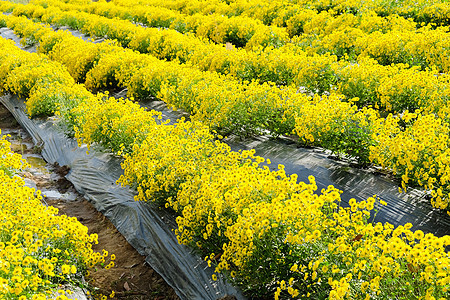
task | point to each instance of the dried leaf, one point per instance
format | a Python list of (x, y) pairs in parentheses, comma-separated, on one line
[(357, 238), (412, 268)]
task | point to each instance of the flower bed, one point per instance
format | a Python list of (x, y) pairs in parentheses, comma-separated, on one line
[(271, 234), (40, 251)]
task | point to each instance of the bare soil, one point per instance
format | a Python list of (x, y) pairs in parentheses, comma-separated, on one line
[(131, 278)]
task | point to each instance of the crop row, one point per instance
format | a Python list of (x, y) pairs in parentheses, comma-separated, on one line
[(387, 39), (279, 13), (400, 143), (276, 65), (40, 250), (268, 232), (389, 88), (239, 31), (106, 65)]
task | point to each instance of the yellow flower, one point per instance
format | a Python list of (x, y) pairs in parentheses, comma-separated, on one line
[(418, 234), (65, 269)]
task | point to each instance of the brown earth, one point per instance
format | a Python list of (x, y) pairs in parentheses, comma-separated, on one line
[(131, 277)]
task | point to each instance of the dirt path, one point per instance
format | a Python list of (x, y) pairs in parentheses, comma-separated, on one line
[(131, 277)]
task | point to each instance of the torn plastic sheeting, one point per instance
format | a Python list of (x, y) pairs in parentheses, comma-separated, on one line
[(146, 227)]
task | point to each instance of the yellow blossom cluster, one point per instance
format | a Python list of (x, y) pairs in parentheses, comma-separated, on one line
[(391, 39), (116, 124), (365, 79), (354, 78), (418, 154), (244, 108), (239, 31), (280, 12), (39, 249), (249, 220), (220, 101), (46, 84), (395, 88), (427, 11), (22, 77), (279, 65), (338, 126), (413, 145), (10, 162)]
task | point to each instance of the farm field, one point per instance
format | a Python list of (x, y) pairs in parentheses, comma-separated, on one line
[(367, 82), (130, 270)]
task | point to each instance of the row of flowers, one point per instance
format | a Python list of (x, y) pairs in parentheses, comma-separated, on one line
[(281, 12), (265, 230), (389, 88), (285, 65), (400, 143), (42, 253), (239, 31), (279, 65), (391, 39)]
